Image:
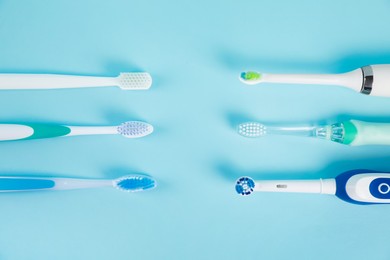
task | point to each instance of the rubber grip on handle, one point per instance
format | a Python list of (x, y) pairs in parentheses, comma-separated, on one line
[(9, 184)]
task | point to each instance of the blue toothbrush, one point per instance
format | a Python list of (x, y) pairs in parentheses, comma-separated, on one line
[(130, 183)]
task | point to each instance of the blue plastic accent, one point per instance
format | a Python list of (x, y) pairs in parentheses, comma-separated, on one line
[(341, 182), (14, 184), (380, 184)]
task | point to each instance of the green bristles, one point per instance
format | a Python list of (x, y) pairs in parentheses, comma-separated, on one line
[(250, 75)]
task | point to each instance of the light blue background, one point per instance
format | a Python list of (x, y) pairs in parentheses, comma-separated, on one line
[(195, 51)]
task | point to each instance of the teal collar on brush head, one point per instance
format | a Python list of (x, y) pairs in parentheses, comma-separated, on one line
[(47, 131), (350, 132)]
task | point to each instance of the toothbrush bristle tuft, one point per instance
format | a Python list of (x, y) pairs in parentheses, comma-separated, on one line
[(134, 183), (245, 186), (249, 76), (134, 81), (252, 129), (135, 129)]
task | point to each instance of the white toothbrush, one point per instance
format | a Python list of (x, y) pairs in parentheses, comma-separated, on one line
[(130, 183), (352, 132), (356, 186), (130, 129), (125, 81), (371, 80)]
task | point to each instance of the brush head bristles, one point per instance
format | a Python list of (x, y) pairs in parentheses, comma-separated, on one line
[(245, 186), (251, 129), (134, 80), (135, 129), (250, 77), (134, 183)]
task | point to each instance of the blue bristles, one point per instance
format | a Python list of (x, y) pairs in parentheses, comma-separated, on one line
[(245, 186), (133, 183)]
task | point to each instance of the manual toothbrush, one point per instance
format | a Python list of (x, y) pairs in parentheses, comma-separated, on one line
[(129, 183), (130, 129)]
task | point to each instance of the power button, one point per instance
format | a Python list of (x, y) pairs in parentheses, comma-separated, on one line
[(384, 188)]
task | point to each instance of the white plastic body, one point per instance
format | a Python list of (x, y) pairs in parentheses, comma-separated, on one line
[(14, 132), (92, 130), (53, 81), (352, 79), (381, 83), (70, 184), (322, 186), (358, 187), (371, 133)]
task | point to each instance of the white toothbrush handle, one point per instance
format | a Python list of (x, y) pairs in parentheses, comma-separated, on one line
[(15, 184), (379, 83), (352, 79), (52, 81), (368, 133), (323, 186)]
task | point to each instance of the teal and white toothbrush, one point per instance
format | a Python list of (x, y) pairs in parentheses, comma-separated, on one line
[(129, 183), (130, 129), (371, 80), (352, 132), (125, 81)]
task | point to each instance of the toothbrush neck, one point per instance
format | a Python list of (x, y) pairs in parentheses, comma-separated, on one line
[(93, 130), (322, 186)]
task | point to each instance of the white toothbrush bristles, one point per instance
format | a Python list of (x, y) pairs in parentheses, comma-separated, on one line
[(252, 129), (135, 81), (135, 129)]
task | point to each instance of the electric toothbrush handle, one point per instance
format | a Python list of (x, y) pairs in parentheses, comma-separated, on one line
[(377, 80), (321, 186), (367, 133), (53, 81), (10, 132)]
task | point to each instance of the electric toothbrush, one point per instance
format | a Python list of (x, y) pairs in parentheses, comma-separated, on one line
[(357, 186), (372, 80), (352, 132)]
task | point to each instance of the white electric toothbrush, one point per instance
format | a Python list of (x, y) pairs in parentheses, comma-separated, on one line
[(130, 129), (125, 81), (352, 132), (358, 186), (372, 80)]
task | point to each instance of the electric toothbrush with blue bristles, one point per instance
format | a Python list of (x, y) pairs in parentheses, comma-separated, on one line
[(358, 186), (372, 80), (130, 183), (352, 132), (130, 129)]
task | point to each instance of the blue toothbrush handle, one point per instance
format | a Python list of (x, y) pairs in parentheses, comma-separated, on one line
[(13, 184)]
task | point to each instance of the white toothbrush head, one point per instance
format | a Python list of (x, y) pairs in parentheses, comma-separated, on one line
[(134, 80), (134, 183), (251, 77), (245, 186), (135, 129), (251, 129)]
